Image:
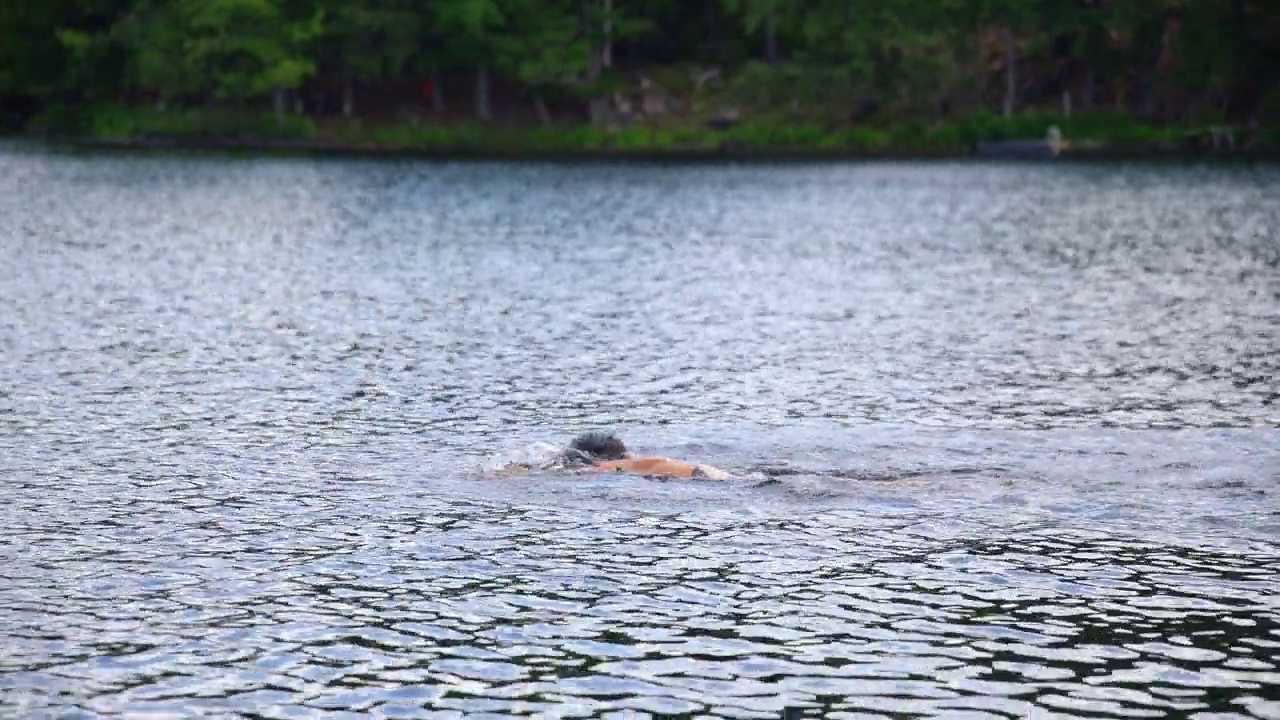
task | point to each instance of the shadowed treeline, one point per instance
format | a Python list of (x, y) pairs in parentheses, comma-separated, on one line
[(298, 67)]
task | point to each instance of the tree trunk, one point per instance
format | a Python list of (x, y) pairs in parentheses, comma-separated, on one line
[(715, 29), (596, 106), (606, 49), (483, 111), (1090, 87), (1146, 98), (540, 108), (1010, 71), (437, 93), (771, 37), (348, 98), (1066, 103), (279, 102)]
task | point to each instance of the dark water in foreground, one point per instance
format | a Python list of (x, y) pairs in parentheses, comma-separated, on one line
[(1010, 432)]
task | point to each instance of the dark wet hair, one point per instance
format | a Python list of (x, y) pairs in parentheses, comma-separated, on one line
[(594, 446)]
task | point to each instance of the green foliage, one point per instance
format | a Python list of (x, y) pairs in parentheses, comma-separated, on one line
[(753, 135), (905, 65), (863, 138), (911, 137), (371, 40), (470, 27), (763, 85), (755, 13), (158, 35), (57, 119), (248, 47), (550, 50), (1099, 126), (117, 121), (229, 49)]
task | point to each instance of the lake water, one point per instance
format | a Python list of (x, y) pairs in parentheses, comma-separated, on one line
[(1009, 438)]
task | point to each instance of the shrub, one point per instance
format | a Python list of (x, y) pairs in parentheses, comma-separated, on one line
[(121, 121)]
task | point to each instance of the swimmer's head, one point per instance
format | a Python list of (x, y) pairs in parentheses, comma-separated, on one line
[(597, 446)]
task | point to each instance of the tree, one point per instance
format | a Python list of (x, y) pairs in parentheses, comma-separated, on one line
[(225, 49), (58, 49), (766, 15), (877, 48), (1011, 17), (545, 50), (1162, 59), (1138, 27), (369, 41), (473, 27), (603, 23), (157, 35), (249, 47)]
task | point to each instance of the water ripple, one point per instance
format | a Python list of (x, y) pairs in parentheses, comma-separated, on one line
[(1006, 438)]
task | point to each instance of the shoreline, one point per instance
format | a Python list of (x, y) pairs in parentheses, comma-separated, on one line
[(725, 151), (978, 136)]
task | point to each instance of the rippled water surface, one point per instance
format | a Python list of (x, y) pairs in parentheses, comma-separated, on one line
[(1007, 438)]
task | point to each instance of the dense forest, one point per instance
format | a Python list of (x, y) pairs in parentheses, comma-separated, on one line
[(562, 63)]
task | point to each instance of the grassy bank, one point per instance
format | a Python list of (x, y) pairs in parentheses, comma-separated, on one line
[(1098, 133)]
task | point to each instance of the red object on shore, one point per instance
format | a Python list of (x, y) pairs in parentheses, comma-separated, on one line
[(428, 88)]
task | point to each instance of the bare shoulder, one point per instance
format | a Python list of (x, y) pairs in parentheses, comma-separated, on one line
[(663, 467)]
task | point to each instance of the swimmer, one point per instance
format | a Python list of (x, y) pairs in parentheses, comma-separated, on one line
[(604, 452)]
